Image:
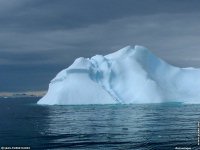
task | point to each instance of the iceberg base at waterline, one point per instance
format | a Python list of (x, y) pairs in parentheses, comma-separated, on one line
[(129, 75)]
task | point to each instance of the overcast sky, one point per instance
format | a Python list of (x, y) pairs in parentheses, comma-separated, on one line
[(38, 38)]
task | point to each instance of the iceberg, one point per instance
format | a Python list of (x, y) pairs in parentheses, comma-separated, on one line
[(129, 75)]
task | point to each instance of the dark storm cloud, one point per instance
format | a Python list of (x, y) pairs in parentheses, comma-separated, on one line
[(34, 15), (38, 38)]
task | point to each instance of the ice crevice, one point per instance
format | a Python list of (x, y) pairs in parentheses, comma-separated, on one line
[(107, 88)]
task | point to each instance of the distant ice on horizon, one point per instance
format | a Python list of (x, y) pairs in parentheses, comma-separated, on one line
[(129, 75)]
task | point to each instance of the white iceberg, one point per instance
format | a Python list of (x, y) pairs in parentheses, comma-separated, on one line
[(130, 75)]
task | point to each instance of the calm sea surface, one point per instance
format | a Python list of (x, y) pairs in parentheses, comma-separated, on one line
[(142, 127)]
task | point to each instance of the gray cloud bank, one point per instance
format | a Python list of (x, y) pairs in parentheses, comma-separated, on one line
[(38, 38)]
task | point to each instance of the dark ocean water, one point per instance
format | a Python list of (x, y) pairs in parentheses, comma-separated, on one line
[(142, 127)]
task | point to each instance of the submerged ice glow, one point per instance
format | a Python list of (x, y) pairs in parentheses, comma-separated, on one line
[(130, 75)]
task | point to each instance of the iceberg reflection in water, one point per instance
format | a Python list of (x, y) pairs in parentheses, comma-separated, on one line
[(137, 126)]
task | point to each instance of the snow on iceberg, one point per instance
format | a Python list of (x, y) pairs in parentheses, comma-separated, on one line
[(130, 75)]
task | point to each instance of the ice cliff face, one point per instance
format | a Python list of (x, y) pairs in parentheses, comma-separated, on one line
[(130, 75)]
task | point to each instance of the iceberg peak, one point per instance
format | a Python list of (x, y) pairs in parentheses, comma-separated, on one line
[(129, 75), (139, 47)]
